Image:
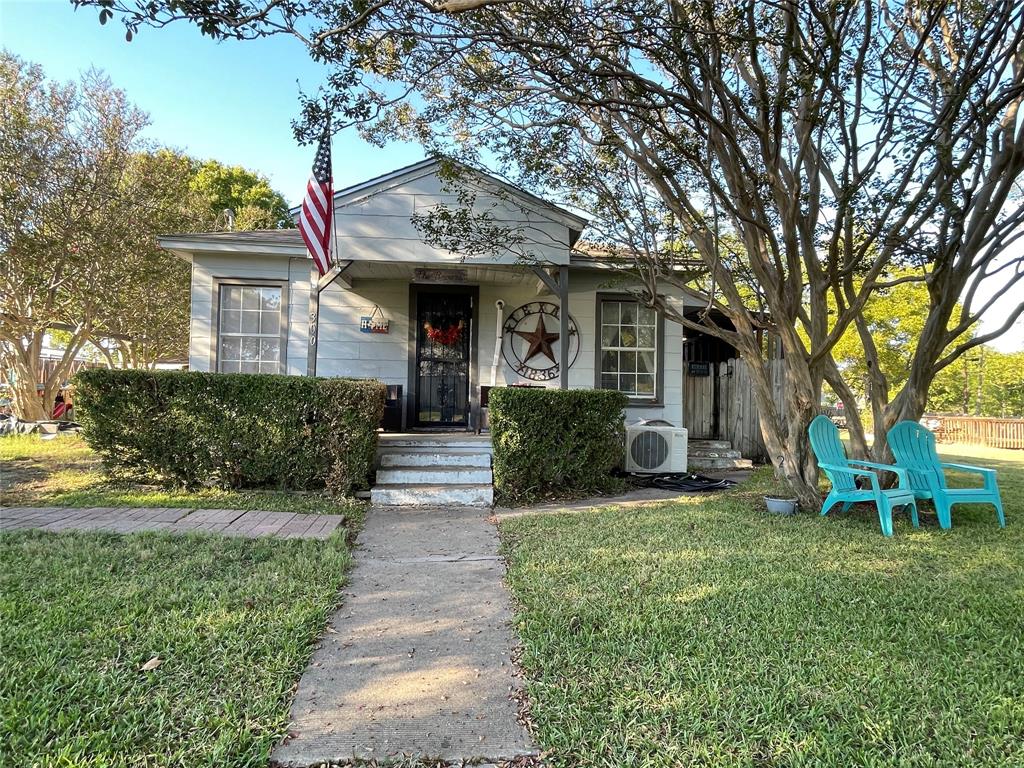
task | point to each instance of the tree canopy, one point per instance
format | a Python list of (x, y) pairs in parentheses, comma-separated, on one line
[(836, 142), (247, 194)]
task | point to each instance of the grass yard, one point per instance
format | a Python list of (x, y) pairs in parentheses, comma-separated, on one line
[(64, 472), (707, 632), (232, 621)]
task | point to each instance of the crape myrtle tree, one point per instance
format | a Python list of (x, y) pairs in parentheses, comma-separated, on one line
[(84, 197), (64, 148), (834, 148)]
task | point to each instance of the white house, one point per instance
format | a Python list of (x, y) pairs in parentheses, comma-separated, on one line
[(443, 326)]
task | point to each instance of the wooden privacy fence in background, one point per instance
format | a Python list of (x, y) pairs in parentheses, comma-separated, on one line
[(994, 433), (738, 419), (721, 406)]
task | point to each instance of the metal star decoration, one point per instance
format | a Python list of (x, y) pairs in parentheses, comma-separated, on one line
[(539, 340)]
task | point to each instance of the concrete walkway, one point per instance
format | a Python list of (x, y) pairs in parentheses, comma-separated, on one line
[(417, 661), (228, 522)]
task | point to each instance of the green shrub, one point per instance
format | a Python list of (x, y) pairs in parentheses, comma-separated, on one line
[(552, 443), (232, 430)]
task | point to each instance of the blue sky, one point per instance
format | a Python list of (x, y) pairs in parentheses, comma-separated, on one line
[(230, 101)]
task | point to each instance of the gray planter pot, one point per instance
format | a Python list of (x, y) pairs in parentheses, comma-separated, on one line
[(780, 506)]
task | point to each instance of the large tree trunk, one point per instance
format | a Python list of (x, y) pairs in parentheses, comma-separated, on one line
[(26, 402), (33, 398), (784, 426)]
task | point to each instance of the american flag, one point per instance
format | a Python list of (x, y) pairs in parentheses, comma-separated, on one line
[(318, 207)]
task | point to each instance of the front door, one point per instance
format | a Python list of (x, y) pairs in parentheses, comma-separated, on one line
[(443, 320)]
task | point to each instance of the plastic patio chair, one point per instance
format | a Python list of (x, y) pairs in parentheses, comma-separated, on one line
[(843, 473), (914, 449)]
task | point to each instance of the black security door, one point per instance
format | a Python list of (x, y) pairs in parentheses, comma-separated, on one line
[(442, 359)]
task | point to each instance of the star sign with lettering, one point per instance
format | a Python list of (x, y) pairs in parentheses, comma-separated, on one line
[(528, 345)]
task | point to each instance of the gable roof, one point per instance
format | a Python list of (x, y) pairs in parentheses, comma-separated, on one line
[(288, 242), (378, 184)]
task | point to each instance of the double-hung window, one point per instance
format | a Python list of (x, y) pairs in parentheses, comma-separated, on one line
[(249, 329), (628, 355)]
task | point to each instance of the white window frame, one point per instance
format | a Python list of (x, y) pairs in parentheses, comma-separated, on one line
[(653, 398), (282, 336)]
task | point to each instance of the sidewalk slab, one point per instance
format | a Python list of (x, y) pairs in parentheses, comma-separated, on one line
[(418, 660)]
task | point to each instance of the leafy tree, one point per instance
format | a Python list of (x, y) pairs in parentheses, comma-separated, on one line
[(986, 382), (84, 198), (895, 318), (64, 149), (248, 195), (146, 318), (836, 141)]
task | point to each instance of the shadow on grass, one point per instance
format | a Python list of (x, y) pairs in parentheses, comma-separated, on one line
[(64, 472)]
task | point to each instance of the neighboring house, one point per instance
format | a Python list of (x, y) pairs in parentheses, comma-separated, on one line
[(444, 327)]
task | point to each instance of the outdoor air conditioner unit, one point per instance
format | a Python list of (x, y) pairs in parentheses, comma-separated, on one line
[(655, 449)]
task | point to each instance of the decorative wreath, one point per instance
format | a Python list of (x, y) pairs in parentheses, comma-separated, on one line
[(449, 336)]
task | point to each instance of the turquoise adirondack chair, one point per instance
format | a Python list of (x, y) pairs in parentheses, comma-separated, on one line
[(914, 449), (843, 473)]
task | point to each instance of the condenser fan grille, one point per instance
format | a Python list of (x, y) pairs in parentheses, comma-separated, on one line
[(649, 450)]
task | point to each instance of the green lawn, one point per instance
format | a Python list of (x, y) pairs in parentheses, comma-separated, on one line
[(233, 622), (65, 472), (710, 633)]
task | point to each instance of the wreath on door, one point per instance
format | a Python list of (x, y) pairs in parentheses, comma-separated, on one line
[(448, 337)]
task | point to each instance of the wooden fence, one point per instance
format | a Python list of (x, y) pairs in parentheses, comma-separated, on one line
[(721, 406), (979, 430)]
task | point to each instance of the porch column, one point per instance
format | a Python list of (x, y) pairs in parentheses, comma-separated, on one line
[(317, 284), (563, 326)]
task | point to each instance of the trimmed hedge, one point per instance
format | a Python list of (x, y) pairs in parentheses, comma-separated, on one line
[(232, 430), (553, 443)]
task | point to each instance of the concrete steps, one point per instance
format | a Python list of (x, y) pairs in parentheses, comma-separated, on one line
[(436, 475), (433, 458), (708, 445), (424, 470), (702, 464), (432, 495), (703, 455)]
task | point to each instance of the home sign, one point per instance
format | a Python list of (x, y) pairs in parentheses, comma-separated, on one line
[(375, 322)]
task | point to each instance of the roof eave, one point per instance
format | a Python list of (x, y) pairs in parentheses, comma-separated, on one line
[(186, 247)]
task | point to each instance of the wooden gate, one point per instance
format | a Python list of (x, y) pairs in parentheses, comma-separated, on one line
[(699, 399), (721, 406)]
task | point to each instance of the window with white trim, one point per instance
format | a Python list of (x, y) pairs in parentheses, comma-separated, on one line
[(629, 348), (249, 329)]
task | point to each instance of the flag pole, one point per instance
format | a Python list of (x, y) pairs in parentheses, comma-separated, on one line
[(318, 282), (315, 282)]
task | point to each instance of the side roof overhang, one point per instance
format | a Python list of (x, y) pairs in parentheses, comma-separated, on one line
[(259, 242)]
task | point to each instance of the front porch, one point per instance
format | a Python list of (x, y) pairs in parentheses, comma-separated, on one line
[(440, 336)]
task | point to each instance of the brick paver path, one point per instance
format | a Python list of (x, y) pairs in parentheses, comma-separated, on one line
[(228, 522)]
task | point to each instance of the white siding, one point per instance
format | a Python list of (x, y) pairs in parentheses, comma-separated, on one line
[(298, 316), (206, 269), (379, 227), (345, 351), (583, 289)]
